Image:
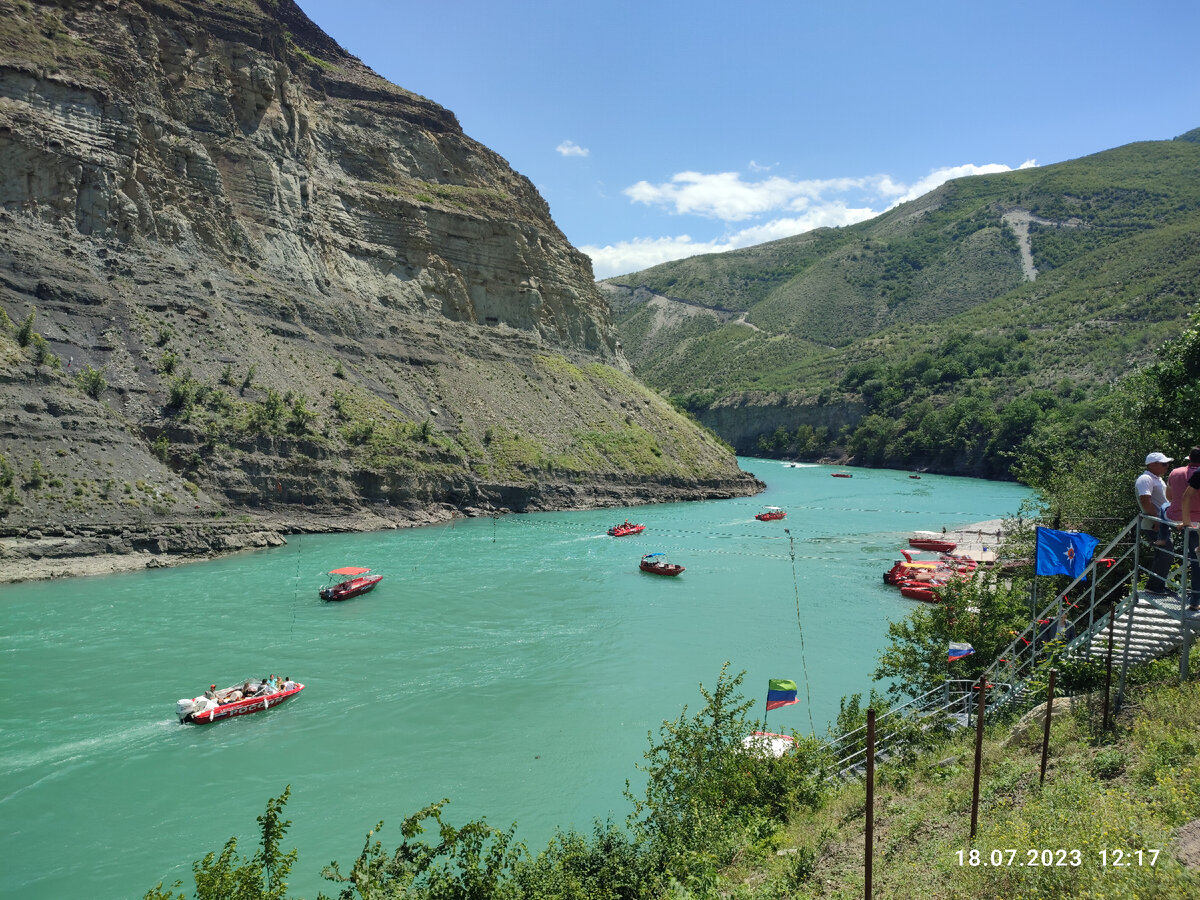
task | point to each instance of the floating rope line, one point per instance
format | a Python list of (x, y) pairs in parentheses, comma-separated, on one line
[(800, 628), (436, 543), (296, 592)]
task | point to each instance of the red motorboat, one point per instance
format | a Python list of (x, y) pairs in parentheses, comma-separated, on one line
[(842, 474), (771, 513), (657, 564), (250, 696), (918, 591), (626, 528), (359, 582), (929, 544), (944, 568)]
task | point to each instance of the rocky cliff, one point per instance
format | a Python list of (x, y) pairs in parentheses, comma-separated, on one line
[(242, 274)]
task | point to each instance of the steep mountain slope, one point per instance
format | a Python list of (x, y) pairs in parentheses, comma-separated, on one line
[(242, 272), (991, 292)]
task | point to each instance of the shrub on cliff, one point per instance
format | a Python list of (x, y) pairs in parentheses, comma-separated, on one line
[(92, 382)]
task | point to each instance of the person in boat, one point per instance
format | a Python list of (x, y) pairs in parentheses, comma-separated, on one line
[(288, 684), (211, 693)]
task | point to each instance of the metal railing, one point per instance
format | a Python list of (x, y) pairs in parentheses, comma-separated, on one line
[(1108, 589)]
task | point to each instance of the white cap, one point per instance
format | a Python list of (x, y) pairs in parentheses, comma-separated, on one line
[(1157, 457)]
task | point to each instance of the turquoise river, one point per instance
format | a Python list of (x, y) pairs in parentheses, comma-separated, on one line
[(514, 665)]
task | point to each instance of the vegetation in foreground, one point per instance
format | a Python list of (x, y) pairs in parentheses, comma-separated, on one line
[(717, 821)]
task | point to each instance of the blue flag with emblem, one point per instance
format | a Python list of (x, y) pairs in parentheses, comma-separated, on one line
[(1064, 552)]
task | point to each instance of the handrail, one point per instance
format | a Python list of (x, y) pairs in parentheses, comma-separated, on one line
[(1113, 588)]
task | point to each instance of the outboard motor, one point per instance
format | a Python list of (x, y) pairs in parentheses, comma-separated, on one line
[(184, 708)]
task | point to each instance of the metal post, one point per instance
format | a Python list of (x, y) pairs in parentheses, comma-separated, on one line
[(1184, 598), (1186, 650), (978, 756), (1087, 647), (1185, 566), (870, 838), (1046, 733), (1137, 551), (1033, 622), (1112, 615), (1125, 656)]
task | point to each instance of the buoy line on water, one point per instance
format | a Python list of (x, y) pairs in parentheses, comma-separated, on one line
[(800, 628)]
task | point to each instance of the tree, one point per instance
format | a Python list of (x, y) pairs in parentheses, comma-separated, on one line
[(229, 877), (92, 381), (704, 790), (475, 862), (1083, 467), (982, 612), (25, 333)]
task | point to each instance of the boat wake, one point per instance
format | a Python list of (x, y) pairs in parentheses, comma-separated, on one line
[(101, 746)]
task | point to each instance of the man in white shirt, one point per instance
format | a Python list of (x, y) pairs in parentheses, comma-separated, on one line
[(1151, 492)]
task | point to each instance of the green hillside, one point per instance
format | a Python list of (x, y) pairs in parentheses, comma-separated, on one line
[(923, 337)]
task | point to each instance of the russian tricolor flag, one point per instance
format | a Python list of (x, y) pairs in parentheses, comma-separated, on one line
[(959, 651), (780, 692)]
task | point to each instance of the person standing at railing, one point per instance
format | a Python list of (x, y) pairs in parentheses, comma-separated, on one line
[(1182, 485), (1151, 493)]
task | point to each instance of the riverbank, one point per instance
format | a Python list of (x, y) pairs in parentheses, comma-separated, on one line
[(104, 549), (97, 549), (979, 541)]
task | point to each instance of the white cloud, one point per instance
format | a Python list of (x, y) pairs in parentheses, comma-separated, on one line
[(938, 177), (725, 196), (787, 208), (570, 148), (642, 253)]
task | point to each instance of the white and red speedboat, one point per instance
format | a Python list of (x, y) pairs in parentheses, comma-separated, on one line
[(250, 696)]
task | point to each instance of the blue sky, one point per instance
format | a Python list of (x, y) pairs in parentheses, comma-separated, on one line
[(658, 130)]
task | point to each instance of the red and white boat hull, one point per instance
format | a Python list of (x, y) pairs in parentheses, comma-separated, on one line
[(215, 713)]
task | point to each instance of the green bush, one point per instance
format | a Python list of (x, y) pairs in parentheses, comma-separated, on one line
[(92, 382), (25, 332), (705, 791), (475, 862), (230, 877), (42, 356)]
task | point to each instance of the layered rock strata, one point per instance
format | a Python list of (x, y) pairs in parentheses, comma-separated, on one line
[(245, 276)]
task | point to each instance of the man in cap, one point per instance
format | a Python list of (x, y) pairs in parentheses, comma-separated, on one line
[(1151, 493)]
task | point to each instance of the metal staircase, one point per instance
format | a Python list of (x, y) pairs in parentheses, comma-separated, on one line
[(1110, 605), (1151, 633)]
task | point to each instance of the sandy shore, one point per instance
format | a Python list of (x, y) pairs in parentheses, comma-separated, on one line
[(978, 541)]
